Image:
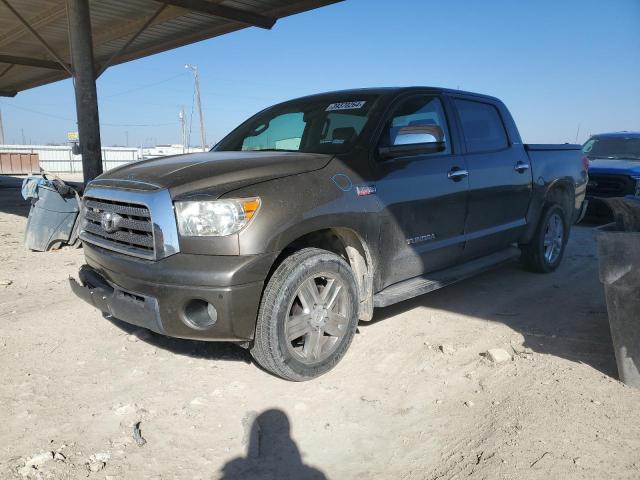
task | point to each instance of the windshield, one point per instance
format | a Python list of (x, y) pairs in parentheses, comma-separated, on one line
[(613, 147), (326, 125)]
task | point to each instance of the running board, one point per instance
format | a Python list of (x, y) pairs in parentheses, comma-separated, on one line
[(429, 282)]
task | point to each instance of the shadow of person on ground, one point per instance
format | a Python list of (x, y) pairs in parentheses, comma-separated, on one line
[(271, 453)]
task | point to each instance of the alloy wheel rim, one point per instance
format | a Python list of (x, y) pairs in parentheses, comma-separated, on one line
[(317, 319), (553, 238)]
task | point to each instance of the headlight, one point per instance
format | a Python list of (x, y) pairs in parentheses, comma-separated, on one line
[(215, 218)]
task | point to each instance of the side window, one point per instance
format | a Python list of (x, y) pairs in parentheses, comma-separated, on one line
[(482, 126), (417, 119)]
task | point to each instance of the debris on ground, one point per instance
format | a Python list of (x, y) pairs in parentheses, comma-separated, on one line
[(446, 348), (96, 466), (137, 435), (39, 459), (497, 355)]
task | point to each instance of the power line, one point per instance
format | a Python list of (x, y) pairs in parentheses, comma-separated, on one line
[(140, 87), (67, 119)]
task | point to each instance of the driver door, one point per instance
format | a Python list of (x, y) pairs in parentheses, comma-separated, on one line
[(423, 188)]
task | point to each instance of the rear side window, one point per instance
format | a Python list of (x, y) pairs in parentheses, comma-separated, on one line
[(482, 126)]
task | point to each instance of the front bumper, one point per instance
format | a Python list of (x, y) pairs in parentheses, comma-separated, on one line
[(157, 295)]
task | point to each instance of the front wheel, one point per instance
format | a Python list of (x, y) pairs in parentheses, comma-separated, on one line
[(307, 317), (546, 249)]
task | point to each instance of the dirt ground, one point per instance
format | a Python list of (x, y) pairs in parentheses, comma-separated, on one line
[(413, 399)]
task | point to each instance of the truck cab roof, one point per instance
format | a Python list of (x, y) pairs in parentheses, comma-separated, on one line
[(397, 90), (621, 134)]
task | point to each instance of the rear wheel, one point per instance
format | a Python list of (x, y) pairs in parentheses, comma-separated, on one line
[(546, 249), (307, 317)]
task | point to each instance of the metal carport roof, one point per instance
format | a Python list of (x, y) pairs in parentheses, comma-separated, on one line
[(43, 41), (34, 34)]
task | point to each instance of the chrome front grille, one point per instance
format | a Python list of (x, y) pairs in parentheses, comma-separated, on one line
[(120, 226), (138, 223)]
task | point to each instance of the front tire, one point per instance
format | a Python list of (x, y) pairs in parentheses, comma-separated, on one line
[(307, 317), (546, 249)]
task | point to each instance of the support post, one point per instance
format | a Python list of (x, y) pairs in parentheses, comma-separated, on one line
[(85, 88)]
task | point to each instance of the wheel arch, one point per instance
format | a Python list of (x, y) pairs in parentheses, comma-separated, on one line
[(349, 245), (560, 191)]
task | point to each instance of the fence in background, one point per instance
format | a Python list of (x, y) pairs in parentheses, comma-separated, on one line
[(60, 158)]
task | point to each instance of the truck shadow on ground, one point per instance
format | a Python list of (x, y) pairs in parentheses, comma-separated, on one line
[(191, 348), (562, 314), (271, 452)]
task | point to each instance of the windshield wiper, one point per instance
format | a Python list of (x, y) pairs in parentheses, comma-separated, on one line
[(273, 150)]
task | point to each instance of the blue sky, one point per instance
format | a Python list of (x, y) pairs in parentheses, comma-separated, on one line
[(559, 65)]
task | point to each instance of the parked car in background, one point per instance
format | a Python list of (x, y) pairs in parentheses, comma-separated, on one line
[(315, 211), (614, 170)]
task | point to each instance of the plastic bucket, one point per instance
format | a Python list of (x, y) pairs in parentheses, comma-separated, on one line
[(619, 258)]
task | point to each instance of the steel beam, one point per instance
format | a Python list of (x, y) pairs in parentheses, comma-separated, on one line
[(228, 13), (85, 87), (6, 70), (38, 36), (38, 22), (132, 39), (31, 62)]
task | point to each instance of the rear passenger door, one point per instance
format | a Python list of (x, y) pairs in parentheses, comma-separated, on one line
[(499, 178)]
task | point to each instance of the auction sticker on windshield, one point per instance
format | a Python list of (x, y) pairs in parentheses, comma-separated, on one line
[(345, 106)]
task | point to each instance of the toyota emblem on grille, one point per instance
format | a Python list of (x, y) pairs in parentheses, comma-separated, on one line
[(110, 222)]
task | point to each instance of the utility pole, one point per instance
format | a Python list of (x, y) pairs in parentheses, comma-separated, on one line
[(1, 130), (24, 141), (196, 79), (126, 136), (183, 129)]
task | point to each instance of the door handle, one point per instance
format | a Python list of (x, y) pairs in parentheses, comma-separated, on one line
[(521, 167), (456, 174)]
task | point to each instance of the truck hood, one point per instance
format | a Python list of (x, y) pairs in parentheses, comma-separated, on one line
[(614, 166), (213, 172)]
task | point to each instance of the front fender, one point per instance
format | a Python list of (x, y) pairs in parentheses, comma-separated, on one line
[(301, 204)]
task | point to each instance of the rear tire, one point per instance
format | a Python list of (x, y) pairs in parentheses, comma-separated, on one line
[(307, 317), (546, 249)]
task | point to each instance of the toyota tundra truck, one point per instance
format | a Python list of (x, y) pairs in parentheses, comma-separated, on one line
[(316, 211)]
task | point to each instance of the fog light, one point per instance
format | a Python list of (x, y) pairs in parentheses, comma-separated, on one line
[(200, 315)]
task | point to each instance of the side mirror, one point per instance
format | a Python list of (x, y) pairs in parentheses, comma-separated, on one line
[(396, 151)]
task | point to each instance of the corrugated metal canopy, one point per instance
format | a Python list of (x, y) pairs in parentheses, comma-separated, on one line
[(123, 30)]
